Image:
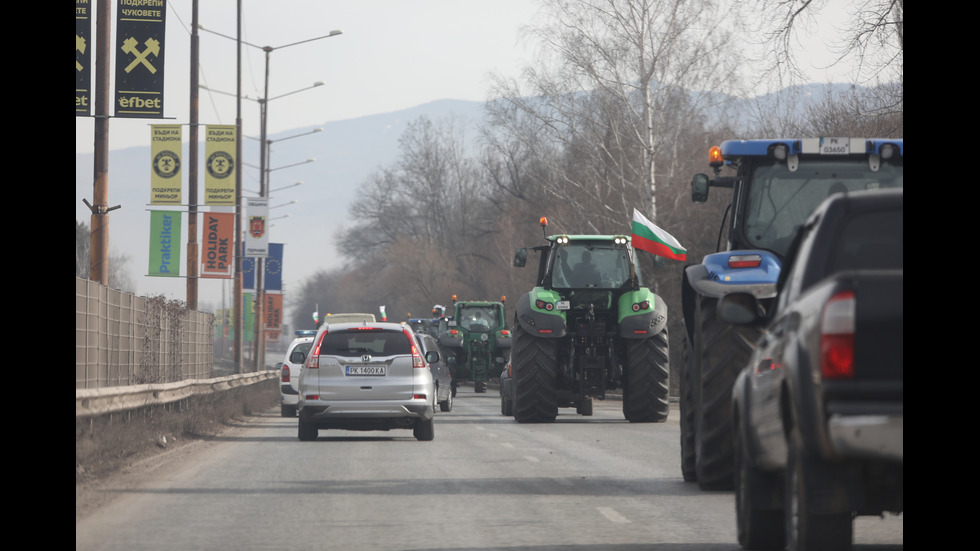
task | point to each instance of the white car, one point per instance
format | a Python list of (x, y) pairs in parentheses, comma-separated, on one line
[(366, 376), (296, 354)]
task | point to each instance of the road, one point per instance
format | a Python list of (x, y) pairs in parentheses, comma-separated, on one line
[(485, 482)]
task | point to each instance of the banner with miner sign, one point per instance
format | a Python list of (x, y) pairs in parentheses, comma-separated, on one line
[(140, 33), (83, 58), (165, 150), (219, 151)]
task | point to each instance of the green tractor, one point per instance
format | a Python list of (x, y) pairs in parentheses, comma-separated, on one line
[(477, 342), (588, 326)]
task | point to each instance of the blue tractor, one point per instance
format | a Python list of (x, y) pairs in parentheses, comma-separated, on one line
[(775, 184)]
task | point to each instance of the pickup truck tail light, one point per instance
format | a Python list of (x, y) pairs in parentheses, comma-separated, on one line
[(837, 337)]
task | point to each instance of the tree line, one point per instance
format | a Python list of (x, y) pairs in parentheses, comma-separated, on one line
[(618, 113)]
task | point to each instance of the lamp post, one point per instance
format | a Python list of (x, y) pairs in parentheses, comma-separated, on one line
[(259, 346)]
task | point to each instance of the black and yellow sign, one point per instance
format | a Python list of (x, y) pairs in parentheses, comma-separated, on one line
[(165, 149), (219, 164), (140, 33), (83, 58)]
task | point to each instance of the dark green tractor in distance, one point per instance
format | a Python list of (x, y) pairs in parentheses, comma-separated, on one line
[(477, 342), (587, 327)]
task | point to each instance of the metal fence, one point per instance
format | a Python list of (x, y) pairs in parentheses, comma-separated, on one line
[(122, 339)]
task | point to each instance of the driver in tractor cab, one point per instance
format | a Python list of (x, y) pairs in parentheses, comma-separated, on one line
[(478, 323), (584, 273)]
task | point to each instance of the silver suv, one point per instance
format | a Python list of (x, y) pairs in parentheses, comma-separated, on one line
[(366, 376)]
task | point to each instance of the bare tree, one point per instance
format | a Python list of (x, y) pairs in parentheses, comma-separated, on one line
[(874, 38), (82, 249), (854, 111), (425, 224), (620, 81), (119, 277)]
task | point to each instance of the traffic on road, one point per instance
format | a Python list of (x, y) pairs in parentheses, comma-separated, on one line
[(486, 481)]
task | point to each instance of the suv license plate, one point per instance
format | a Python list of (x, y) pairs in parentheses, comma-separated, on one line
[(365, 370)]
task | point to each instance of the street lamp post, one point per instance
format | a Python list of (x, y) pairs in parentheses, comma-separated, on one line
[(259, 339), (259, 347), (259, 330)]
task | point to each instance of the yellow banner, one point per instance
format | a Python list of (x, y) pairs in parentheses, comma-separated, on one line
[(220, 165), (165, 174)]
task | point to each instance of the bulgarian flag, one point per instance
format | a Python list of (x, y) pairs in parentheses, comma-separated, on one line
[(648, 237)]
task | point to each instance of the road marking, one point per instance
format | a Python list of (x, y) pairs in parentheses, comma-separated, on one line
[(612, 515), (507, 444), (532, 459)]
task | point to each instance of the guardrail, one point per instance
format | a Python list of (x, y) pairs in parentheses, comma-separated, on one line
[(90, 402)]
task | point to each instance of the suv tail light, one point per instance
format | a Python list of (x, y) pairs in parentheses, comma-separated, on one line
[(285, 374), (314, 360), (837, 337), (417, 360)]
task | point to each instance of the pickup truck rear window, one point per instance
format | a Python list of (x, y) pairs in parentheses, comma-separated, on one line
[(361, 342), (871, 240)]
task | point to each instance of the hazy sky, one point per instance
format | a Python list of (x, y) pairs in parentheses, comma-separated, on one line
[(392, 55)]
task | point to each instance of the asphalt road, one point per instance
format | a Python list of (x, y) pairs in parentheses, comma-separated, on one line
[(485, 482)]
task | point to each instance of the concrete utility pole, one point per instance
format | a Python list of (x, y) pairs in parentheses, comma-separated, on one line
[(239, 326), (99, 239), (193, 262)]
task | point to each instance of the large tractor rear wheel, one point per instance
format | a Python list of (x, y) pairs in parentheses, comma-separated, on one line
[(645, 396), (687, 422), (722, 349), (535, 378)]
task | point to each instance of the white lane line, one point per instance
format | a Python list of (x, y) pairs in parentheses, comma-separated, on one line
[(532, 459), (507, 444), (612, 515)]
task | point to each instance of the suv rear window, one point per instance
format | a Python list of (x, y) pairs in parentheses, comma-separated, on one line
[(360, 342)]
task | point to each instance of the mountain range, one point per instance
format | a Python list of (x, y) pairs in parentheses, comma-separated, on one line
[(303, 218)]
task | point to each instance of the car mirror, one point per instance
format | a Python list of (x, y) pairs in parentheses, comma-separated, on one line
[(520, 258), (297, 357), (432, 357), (699, 188)]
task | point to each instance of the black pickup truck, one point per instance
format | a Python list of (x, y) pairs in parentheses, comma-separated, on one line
[(817, 411)]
